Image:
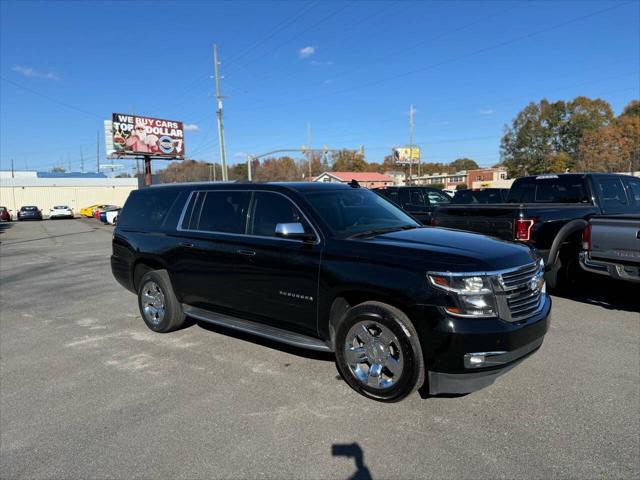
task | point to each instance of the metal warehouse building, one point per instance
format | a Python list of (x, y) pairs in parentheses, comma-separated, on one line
[(45, 190)]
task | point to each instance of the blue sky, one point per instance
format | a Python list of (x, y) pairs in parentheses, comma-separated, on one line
[(350, 69)]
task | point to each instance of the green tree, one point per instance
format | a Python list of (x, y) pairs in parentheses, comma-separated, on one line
[(462, 186), (543, 131), (348, 161), (464, 164), (632, 109)]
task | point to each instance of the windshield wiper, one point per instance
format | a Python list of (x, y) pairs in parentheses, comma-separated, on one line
[(380, 231)]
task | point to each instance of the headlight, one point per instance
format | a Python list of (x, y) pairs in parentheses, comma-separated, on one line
[(472, 294)]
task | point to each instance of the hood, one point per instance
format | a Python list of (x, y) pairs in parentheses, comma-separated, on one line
[(453, 250)]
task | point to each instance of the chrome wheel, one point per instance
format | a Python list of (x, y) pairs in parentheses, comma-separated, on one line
[(373, 354), (153, 305)]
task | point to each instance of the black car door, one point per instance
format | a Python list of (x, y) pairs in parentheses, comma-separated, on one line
[(279, 276), (207, 266), (413, 201)]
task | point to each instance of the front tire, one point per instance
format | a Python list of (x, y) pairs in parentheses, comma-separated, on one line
[(378, 352), (158, 304)]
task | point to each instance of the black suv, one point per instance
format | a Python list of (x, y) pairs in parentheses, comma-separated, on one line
[(336, 268), (418, 201)]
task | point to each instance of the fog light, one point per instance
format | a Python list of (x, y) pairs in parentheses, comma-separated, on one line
[(476, 360)]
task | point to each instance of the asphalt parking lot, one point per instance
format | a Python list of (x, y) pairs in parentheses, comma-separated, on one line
[(86, 390)]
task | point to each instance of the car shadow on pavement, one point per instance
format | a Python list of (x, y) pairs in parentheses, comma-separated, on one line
[(353, 450), (265, 342), (607, 293), (4, 226)]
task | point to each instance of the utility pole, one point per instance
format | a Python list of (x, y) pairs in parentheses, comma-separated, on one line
[(411, 111), (223, 157), (308, 148), (81, 160), (98, 151), (12, 174)]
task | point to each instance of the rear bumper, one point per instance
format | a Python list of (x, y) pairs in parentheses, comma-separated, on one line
[(614, 270), (122, 272), (497, 345)]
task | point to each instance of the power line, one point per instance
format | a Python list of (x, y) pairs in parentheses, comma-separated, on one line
[(444, 62), (51, 99)]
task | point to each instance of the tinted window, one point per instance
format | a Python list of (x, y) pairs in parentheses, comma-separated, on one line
[(436, 198), (403, 196), (147, 208), (479, 196), (416, 197), (29, 209), (224, 212), (269, 210), (633, 184), (357, 210), (611, 192), (553, 189)]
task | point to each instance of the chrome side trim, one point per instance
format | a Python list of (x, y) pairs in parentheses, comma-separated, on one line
[(261, 330)]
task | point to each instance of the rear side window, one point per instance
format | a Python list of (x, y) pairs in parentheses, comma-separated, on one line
[(224, 211), (147, 208), (269, 210), (416, 197), (555, 189)]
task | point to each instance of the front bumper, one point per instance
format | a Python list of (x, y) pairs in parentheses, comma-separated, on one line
[(451, 342), (618, 271)]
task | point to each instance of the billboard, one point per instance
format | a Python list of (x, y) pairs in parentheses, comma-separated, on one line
[(406, 155), (139, 136)]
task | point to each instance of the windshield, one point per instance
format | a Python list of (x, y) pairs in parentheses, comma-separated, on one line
[(349, 212), (60, 207), (29, 209)]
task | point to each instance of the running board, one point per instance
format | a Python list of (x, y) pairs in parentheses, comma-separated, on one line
[(267, 331)]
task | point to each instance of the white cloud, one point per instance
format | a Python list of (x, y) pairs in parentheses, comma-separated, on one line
[(487, 111), (328, 81), (439, 124), (306, 52), (191, 127), (240, 155), (32, 72)]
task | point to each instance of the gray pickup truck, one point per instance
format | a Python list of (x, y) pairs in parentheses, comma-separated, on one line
[(611, 246)]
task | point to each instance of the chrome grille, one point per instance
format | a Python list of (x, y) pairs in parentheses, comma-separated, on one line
[(523, 291)]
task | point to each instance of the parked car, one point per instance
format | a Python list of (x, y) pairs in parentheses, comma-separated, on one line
[(60, 211), (29, 212), (89, 211), (449, 191), (103, 208), (109, 216), (480, 195), (331, 267), (611, 246), (548, 212), (417, 201), (5, 214)]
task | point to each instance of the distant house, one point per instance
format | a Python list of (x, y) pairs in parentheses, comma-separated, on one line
[(365, 179)]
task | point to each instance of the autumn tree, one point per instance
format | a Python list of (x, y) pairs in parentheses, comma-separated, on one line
[(546, 136), (463, 164), (614, 147), (349, 161)]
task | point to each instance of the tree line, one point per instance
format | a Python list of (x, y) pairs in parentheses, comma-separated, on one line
[(286, 168), (579, 135)]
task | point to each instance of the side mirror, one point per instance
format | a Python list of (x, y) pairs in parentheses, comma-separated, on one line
[(293, 231)]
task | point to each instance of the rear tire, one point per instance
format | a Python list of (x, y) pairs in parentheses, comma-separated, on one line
[(378, 352), (158, 304)]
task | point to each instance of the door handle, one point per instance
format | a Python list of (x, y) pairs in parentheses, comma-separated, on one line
[(186, 244), (246, 253)]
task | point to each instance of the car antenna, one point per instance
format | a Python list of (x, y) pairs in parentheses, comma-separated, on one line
[(354, 183)]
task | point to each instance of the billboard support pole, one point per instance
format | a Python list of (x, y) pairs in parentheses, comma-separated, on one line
[(223, 154), (147, 170)]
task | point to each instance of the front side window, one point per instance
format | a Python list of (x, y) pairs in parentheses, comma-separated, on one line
[(348, 212), (416, 197), (270, 209), (436, 198), (224, 211)]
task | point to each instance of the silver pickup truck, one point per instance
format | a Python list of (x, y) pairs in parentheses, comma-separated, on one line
[(611, 246)]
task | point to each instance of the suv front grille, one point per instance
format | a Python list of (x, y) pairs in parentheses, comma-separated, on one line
[(522, 291)]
